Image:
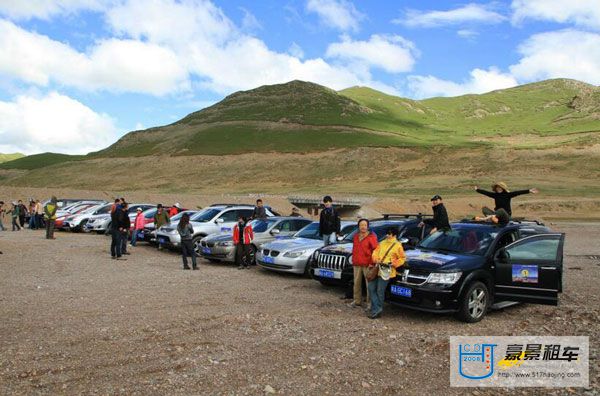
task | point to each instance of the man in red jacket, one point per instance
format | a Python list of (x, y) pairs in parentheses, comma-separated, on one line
[(363, 246), (242, 238)]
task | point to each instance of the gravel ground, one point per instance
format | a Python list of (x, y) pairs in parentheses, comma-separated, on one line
[(76, 322)]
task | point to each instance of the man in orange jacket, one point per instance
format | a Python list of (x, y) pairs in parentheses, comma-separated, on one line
[(242, 238)]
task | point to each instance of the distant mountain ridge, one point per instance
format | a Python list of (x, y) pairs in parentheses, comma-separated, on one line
[(305, 117)]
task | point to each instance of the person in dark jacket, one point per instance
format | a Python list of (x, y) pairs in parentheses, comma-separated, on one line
[(22, 213), (259, 210), (329, 222), (440, 216), (502, 197), (500, 218), (186, 231), (120, 224)]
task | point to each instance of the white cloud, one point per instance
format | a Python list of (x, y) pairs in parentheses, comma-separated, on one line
[(249, 21), (467, 33), (585, 13), (337, 14), (115, 65), (560, 54), (296, 51), (480, 81), (54, 123), (45, 9), (393, 54), (470, 13)]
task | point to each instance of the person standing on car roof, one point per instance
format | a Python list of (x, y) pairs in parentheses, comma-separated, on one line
[(138, 226), (502, 197), (160, 219), (50, 217), (175, 209), (364, 244), (329, 222), (259, 210), (440, 216), (388, 256), (186, 232), (295, 212), (243, 235)]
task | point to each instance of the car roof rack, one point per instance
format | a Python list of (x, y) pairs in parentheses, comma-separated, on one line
[(228, 205), (401, 216), (523, 220)]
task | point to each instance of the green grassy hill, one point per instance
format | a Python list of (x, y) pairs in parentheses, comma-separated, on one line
[(10, 157), (39, 161), (305, 117)]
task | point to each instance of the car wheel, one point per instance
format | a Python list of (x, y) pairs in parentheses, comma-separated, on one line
[(197, 247), (474, 303)]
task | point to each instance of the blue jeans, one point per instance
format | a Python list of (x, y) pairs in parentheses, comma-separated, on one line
[(329, 239), (377, 294), (33, 222), (134, 237)]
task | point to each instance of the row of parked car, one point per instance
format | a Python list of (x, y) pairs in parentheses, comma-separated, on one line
[(468, 270)]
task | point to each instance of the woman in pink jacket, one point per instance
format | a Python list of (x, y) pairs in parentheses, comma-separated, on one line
[(138, 226)]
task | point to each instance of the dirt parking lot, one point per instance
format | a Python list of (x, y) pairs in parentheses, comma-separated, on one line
[(76, 322)]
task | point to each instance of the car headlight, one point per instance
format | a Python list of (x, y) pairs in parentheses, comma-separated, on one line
[(226, 243), (316, 254), (444, 278), (294, 254), (350, 260)]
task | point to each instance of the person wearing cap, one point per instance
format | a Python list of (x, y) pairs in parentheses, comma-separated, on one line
[(176, 208), (502, 197), (138, 226), (329, 222), (295, 213), (440, 216), (499, 217)]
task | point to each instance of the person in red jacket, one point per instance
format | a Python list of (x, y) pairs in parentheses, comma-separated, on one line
[(175, 209), (138, 226), (363, 246), (242, 238)]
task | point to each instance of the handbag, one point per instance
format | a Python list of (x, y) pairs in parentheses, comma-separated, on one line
[(373, 272)]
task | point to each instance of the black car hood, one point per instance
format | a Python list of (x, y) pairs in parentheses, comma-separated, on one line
[(441, 261)]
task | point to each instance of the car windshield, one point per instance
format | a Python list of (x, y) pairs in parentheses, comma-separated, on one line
[(261, 225), (205, 215), (311, 231), (150, 213), (463, 240), (380, 230)]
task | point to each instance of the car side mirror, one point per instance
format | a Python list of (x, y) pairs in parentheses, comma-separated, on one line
[(275, 231), (340, 238), (502, 256), (404, 241), (219, 221)]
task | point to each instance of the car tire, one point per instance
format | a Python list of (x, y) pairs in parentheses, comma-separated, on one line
[(474, 303), (252, 254), (196, 242)]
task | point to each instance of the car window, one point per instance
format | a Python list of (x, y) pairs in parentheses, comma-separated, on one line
[(538, 249), (311, 231), (348, 229), (460, 240), (413, 231), (284, 226), (506, 239), (205, 215), (150, 213), (247, 213), (260, 225), (297, 225), (230, 216)]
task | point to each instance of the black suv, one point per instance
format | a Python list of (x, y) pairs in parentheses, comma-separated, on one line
[(476, 266), (332, 265)]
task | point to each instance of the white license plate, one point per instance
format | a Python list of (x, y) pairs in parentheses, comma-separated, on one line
[(323, 273), (401, 291)]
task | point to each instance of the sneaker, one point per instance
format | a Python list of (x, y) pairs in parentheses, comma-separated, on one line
[(126, 253), (353, 305), (195, 268), (247, 267), (375, 316), (113, 257), (240, 267), (186, 268), (121, 258)]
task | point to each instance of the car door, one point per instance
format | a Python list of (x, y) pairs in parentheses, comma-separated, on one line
[(530, 269), (226, 221)]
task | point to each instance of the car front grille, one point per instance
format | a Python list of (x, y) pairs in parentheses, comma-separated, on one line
[(414, 276), (331, 261)]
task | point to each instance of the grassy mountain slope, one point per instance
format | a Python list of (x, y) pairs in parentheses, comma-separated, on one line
[(39, 161), (10, 157)]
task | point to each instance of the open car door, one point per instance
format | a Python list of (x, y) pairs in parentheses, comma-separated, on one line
[(530, 270)]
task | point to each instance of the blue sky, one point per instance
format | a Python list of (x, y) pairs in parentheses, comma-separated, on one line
[(77, 74)]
